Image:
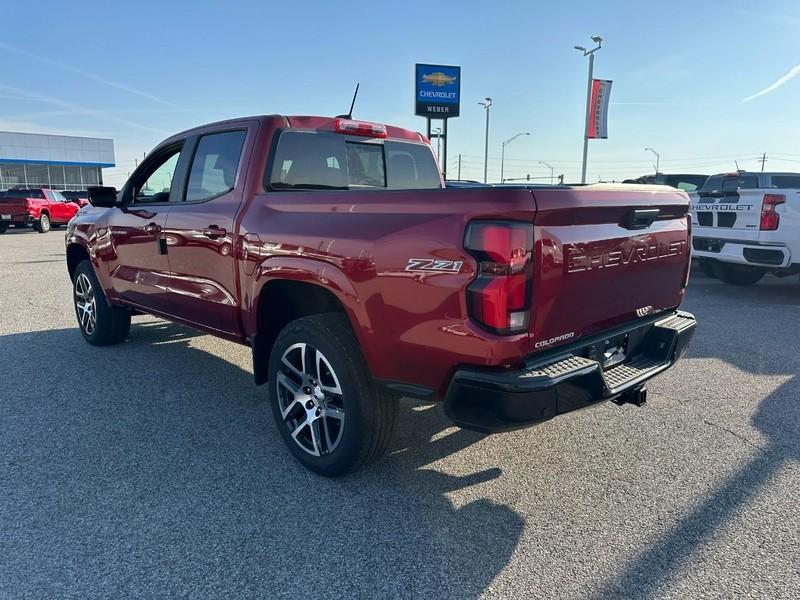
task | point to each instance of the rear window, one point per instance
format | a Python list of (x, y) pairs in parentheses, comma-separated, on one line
[(24, 194), (320, 161), (786, 182), (730, 183)]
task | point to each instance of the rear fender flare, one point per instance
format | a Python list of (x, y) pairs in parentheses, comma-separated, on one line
[(315, 272)]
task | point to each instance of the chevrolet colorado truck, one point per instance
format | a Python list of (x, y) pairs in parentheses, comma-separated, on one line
[(331, 248), (747, 225), (43, 208)]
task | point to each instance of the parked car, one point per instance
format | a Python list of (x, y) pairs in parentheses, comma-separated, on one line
[(41, 207), (746, 225), (682, 181), (80, 197), (330, 247)]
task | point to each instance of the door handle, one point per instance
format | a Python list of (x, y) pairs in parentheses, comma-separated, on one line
[(152, 228), (213, 232)]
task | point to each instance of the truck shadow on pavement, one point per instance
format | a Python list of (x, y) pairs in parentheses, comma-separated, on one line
[(154, 468), (756, 345)]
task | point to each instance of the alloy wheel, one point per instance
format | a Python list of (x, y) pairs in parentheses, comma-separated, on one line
[(310, 399), (86, 304)]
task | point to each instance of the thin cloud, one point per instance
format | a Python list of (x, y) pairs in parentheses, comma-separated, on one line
[(75, 108), (781, 82), (88, 75)]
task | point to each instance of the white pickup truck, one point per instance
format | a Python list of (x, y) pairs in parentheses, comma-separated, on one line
[(745, 225)]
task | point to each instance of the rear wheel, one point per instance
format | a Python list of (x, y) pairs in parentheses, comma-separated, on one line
[(3, 227), (100, 323), (328, 411), (738, 274), (43, 224)]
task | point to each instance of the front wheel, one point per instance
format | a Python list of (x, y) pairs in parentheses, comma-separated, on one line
[(738, 274), (3, 227), (100, 323), (43, 224), (328, 411)]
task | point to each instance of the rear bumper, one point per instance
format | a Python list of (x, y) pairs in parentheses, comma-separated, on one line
[(742, 252), (16, 219), (492, 401)]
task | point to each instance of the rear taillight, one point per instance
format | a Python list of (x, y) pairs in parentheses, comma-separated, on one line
[(500, 297), (770, 219), (687, 269), (364, 128)]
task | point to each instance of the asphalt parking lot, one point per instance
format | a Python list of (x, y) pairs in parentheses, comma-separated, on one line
[(153, 469)]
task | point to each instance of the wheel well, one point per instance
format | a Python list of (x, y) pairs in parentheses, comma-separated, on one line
[(280, 303), (75, 254)]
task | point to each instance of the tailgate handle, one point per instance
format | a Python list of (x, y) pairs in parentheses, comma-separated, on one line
[(640, 218)]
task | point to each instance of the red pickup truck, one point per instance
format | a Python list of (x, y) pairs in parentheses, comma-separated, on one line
[(330, 247), (41, 207)]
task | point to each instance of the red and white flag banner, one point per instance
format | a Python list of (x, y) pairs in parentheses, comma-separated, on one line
[(598, 109)]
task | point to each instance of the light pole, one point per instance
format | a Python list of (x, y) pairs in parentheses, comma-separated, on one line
[(658, 158), (437, 133), (590, 53), (486, 105), (541, 162), (503, 152)]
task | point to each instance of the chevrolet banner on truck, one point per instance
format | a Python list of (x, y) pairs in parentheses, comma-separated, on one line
[(598, 109)]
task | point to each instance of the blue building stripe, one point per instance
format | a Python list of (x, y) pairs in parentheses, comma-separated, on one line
[(56, 163)]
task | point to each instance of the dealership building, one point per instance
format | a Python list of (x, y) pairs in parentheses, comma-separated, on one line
[(60, 162)]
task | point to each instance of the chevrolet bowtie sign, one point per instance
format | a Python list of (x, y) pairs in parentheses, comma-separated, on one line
[(437, 91)]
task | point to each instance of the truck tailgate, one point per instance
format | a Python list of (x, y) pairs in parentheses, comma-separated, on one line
[(605, 255), (738, 210), (16, 208)]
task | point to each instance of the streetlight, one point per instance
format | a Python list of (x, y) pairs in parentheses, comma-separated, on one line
[(541, 162), (658, 157), (437, 133), (503, 152), (590, 53), (486, 105)]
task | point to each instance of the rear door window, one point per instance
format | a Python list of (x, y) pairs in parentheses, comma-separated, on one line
[(214, 165)]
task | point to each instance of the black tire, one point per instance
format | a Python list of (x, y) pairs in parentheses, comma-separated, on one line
[(43, 224), (738, 274), (111, 324), (3, 227), (367, 415), (707, 267)]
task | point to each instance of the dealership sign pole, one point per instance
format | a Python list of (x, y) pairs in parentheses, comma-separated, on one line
[(437, 93)]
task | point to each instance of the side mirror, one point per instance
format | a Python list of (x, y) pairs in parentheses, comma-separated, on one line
[(103, 197)]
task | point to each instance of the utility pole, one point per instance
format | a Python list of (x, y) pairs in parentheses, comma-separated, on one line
[(486, 105), (590, 53), (541, 162), (763, 160), (459, 167)]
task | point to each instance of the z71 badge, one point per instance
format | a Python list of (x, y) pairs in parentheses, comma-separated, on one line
[(432, 265)]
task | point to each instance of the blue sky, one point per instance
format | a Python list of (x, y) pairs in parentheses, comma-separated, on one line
[(139, 71)]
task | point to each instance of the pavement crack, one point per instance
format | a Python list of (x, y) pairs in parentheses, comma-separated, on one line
[(746, 440)]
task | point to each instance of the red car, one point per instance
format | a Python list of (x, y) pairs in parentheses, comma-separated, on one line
[(330, 247), (41, 207)]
